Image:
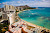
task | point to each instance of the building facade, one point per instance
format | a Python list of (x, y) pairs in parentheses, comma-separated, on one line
[(8, 13), (20, 8)]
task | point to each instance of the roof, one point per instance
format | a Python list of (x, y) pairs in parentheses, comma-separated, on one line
[(15, 29), (15, 24), (29, 31), (12, 30), (23, 26)]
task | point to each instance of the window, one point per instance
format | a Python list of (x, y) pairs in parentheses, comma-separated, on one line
[(11, 11)]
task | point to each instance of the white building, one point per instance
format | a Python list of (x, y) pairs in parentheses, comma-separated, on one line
[(8, 13), (19, 8), (11, 17)]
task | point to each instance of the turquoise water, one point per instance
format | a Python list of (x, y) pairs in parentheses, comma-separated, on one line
[(40, 16)]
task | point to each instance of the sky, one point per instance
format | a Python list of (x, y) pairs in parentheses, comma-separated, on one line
[(31, 3)]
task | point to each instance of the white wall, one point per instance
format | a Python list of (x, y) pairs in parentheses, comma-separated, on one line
[(11, 18), (0, 13)]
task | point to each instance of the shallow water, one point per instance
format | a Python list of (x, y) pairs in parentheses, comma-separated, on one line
[(40, 16)]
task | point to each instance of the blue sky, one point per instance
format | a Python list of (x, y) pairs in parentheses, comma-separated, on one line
[(31, 3)]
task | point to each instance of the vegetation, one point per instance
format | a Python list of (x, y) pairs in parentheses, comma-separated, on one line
[(4, 27), (29, 8), (17, 11)]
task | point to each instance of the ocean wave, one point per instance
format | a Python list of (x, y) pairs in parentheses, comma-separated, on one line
[(33, 13)]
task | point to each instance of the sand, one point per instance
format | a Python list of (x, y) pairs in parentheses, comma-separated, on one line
[(40, 27)]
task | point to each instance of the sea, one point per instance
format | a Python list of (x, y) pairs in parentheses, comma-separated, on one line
[(40, 16)]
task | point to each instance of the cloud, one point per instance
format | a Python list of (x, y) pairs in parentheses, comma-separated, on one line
[(4, 3), (18, 1), (32, 3), (41, 4), (43, 0), (0, 3)]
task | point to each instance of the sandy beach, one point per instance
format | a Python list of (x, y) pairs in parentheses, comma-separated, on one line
[(40, 27)]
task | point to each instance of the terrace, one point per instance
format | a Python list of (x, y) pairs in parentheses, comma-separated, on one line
[(13, 30)]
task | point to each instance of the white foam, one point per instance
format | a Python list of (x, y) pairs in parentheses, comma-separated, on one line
[(33, 13)]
